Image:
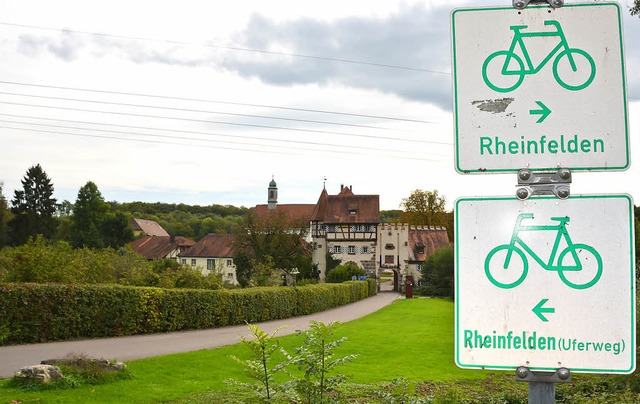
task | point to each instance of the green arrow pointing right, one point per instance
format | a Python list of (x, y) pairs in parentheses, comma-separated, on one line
[(544, 111), (539, 310)]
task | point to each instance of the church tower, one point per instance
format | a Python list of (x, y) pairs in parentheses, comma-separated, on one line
[(272, 200)]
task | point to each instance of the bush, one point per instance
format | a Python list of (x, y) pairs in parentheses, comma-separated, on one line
[(33, 313), (343, 273), (437, 274)]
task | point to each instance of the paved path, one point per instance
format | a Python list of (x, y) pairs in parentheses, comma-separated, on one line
[(12, 358)]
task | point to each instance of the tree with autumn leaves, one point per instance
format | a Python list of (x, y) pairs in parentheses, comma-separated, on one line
[(427, 208)]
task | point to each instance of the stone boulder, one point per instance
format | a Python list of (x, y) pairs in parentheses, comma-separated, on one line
[(40, 373)]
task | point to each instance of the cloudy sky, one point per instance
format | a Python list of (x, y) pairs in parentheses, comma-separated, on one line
[(202, 102)]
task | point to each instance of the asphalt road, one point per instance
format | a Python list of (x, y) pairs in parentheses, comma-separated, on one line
[(12, 358)]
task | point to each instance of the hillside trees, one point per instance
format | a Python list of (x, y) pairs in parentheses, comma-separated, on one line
[(33, 208), (191, 221)]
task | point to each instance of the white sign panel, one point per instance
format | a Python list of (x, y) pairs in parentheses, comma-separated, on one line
[(539, 88), (545, 283)]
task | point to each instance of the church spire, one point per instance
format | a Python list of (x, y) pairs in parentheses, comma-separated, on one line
[(272, 199)]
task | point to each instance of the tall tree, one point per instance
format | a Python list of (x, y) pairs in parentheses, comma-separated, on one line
[(115, 230), (89, 212), (5, 215), (424, 208), (33, 208), (635, 10), (273, 240)]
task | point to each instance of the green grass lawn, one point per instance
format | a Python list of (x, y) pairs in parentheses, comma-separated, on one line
[(411, 339)]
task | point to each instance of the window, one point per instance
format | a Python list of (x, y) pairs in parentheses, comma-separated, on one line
[(211, 264), (389, 246), (351, 249), (330, 228), (229, 263), (193, 262), (183, 261), (365, 250), (337, 249), (388, 259), (353, 211), (419, 267), (230, 275), (315, 245)]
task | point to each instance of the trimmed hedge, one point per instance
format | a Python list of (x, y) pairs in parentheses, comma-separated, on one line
[(32, 313)]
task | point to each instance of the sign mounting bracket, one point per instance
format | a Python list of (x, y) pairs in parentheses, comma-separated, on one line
[(546, 183), (522, 4)]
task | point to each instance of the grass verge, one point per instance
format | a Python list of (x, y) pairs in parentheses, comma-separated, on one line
[(405, 355)]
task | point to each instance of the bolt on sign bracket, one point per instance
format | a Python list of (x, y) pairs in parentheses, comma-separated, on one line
[(547, 183), (522, 4), (524, 374)]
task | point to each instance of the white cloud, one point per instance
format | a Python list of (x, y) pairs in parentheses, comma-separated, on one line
[(187, 57)]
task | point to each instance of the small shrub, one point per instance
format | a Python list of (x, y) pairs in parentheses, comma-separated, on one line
[(315, 357), (343, 273), (259, 366)]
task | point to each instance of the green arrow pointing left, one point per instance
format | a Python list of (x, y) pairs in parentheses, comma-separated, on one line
[(544, 111), (539, 310)]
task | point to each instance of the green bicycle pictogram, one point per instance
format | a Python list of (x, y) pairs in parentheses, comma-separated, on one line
[(572, 259), (574, 56)]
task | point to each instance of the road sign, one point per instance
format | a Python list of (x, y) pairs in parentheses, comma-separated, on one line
[(545, 283), (539, 88)]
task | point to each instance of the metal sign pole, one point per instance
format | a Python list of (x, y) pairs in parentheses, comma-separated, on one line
[(542, 388)]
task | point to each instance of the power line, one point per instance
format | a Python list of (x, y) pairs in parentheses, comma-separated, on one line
[(181, 131), (215, 102), (234, 48), (218, 122), (348, 152), (192, 110)]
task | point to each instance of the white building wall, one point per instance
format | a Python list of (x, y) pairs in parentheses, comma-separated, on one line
[(220, 265)]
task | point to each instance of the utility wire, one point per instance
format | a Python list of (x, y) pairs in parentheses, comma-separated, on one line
[(215, 102), (331, 152), (192, 110), (219, 122), (315, 144)]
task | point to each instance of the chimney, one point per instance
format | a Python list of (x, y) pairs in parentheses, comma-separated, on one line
[(341, 187)]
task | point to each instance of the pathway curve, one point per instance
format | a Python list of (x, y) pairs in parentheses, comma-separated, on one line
[(12, 358)]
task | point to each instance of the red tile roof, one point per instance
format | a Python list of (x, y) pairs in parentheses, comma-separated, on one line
[(158, 247), (430, 239), (298, 211), (149, 227), (212, 245), (347, 208)]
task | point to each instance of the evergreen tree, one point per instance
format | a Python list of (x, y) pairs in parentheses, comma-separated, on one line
[(33, 208), (4, 218), (89, 213)]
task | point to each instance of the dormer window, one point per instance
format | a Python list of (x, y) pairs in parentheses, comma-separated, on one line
[(353, 211), (420, 248)]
